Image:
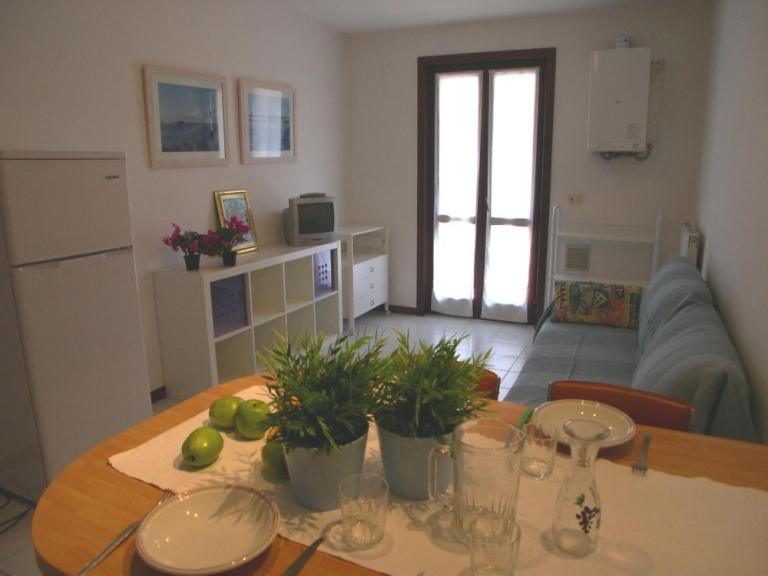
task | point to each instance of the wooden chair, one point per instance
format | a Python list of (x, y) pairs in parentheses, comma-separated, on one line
[(643, 407), (488, 384)]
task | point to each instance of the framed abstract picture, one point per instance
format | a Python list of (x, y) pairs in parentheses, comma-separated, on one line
[(267, 121), (186, 117), (235, 203)]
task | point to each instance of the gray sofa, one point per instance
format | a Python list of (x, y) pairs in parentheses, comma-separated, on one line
[(681, 349)]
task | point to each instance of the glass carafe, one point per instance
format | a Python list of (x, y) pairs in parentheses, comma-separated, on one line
[(576, 525)]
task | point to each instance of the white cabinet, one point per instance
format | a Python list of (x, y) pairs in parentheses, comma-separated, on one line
[(213, 322), (602, 252), (365, 269)]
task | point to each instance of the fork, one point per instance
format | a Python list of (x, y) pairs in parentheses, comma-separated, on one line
[(120, 538), (641, 467)]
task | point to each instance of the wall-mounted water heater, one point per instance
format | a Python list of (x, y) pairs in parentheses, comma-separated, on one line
[(619, 82)]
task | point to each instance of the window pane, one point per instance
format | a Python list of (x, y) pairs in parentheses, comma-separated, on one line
[(506, 273), (454, 256), (513, 142), (458, 134)]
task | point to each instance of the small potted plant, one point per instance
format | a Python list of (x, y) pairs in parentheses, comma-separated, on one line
[(226, 238), (321, 401), (427, 392), (188, 242)]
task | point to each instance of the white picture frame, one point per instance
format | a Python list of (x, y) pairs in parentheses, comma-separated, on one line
[(267, 121), (186, 117)]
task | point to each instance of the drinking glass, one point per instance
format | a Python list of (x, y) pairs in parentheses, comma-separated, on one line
[(364, 502), (495, 540), (540, 449)]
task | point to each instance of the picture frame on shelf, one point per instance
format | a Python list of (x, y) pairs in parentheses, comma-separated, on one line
[(235, 203), (186, 115), (267, 121)]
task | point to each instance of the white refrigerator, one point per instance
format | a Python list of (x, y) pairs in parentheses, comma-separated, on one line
[(73, 369)]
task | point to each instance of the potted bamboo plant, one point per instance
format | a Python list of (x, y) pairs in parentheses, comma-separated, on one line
[(428, 391), (321, 401)]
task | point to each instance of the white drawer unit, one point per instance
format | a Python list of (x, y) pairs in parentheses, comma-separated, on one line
[(365, 270)]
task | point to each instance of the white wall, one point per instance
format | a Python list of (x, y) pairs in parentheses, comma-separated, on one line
[(381, 103), (71, 80), (733, 202)]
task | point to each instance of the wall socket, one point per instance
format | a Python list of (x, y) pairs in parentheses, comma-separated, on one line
[(575, 199)]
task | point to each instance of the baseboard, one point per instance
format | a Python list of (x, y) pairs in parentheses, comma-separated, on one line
[(404, 310), (158, 394)]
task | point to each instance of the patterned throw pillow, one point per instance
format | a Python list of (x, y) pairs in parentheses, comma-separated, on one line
[(592, 303)]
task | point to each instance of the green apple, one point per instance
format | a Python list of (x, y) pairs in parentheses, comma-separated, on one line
[(202, 447), (273, 460), (252, 419), (222, 411)]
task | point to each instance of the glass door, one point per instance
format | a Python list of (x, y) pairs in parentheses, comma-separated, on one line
[(485, 142)]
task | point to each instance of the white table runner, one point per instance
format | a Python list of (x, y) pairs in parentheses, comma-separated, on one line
[(657, 524)]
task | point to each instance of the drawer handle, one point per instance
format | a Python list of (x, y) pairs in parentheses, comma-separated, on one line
[(372, 269), (112, 177), (371, 285), (371, 302)]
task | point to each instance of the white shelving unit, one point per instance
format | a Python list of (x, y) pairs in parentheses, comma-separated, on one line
[(613, 253), (365, 266), (213, 322)]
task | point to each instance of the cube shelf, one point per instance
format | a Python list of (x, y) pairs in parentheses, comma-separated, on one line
[(214, 322)]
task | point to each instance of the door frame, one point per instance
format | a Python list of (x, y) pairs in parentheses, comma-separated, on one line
[(428, 68)]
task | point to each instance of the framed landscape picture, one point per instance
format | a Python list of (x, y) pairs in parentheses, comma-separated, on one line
[(186, 117), (267, 121), (235, 203)]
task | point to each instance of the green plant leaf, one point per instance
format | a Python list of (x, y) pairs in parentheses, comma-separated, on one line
[(428, 390)]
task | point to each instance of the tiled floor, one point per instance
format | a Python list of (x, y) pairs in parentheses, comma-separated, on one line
[(509, 344), (17, 558)]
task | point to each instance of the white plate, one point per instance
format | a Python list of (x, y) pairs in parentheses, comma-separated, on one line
[(208, 530), (558, 412)]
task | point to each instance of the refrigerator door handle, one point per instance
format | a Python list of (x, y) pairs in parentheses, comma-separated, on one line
[(85, 259)]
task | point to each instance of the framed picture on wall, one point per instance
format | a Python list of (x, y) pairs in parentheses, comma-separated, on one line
[(235, 203), (186, 117), (267, 121)]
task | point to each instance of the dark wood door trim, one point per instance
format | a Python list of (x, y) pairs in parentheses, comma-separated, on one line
[(428, 67)]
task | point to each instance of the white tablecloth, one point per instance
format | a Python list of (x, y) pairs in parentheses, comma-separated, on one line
[(656, 524)]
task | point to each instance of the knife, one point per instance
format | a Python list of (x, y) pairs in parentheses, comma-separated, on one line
[(119, 539), (298, 564)]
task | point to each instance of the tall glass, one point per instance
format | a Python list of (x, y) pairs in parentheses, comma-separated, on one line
[(576, 524)]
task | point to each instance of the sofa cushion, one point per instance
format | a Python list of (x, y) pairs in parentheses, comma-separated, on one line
[(690, 357), (675, 285), (575, 352), (595, 303)]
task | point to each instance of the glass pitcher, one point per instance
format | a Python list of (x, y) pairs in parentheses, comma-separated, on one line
[(487, 456), (576, 524)]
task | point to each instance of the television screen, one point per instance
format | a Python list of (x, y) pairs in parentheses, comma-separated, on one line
[(316, 218)]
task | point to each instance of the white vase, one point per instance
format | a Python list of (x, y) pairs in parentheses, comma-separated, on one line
[(315, 475), (406, 464)]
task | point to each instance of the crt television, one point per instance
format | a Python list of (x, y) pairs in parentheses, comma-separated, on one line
[(310, 219)]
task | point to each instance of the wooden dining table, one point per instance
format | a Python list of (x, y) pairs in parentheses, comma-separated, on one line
[(90, 502)]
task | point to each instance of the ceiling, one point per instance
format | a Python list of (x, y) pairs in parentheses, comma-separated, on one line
[(367, 15)]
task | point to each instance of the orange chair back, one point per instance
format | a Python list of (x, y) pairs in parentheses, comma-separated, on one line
[(488, 384), (643, 407)]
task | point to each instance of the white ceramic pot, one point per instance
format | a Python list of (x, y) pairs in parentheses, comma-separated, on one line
[(315, 475), (406, 464)]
